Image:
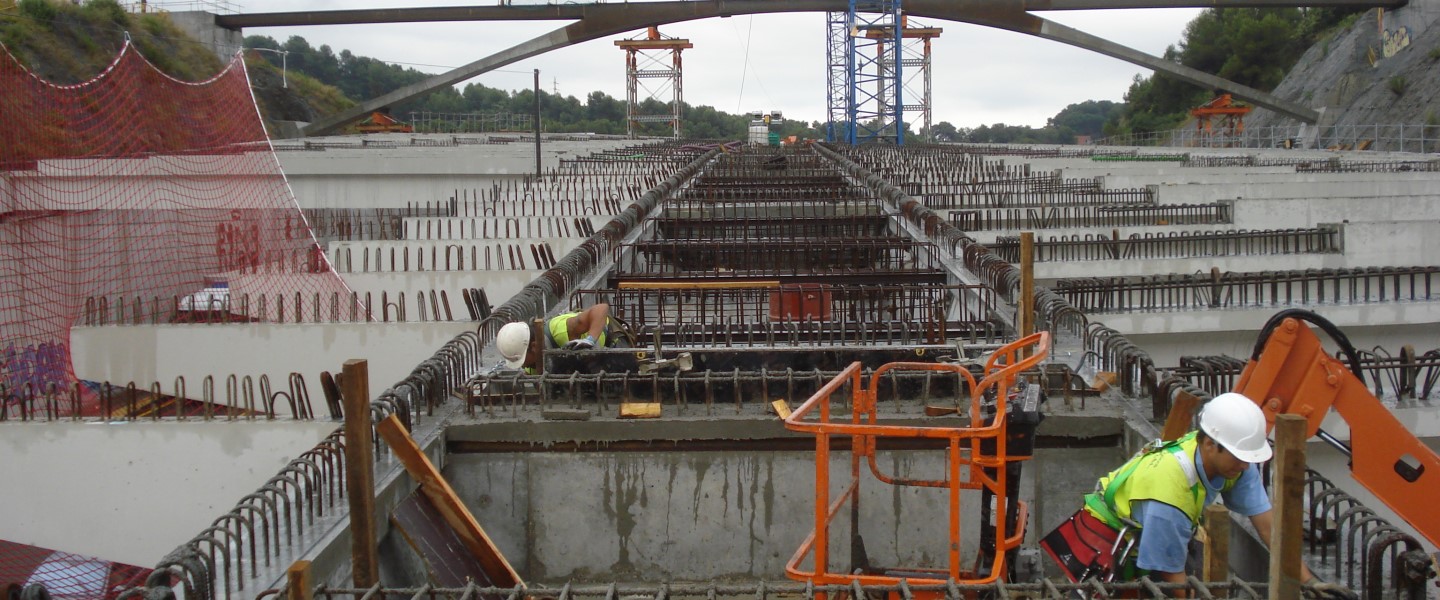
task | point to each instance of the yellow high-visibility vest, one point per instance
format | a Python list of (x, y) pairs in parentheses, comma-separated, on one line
[(1165, 473)]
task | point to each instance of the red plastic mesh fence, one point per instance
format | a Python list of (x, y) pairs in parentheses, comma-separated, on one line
[(137, 186), (66, 576)]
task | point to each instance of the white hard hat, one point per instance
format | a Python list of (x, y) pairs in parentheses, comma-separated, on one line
[(513, 341), (1236, 423)]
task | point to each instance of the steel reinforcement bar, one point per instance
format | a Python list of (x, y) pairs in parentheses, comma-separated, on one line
[(384, 307), (990, 219), (1052, 311), (766, 590), (892, 256), (701, 391), (240, 400), (1408, 375), (1105, 349), (1039, 199), (1238, 242), (758, 228), (1266, 289), (794, 303), (1377, 166), (1370, 553)]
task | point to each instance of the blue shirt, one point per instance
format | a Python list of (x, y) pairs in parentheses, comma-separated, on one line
[(1166, 539)]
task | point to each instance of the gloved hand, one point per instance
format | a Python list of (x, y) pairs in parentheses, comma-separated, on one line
[(1330, 591), (584, 343)]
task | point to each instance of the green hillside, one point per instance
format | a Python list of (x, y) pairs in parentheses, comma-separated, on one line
[(68, 43)]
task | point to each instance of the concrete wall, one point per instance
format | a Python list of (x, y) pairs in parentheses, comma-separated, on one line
[(132, 492), (1168, 336), (392, 177), (694, 516), (1379, 244), (201, 26), (425, 256), (465, 228), (498, 286), (150, 353), (1170, 193), (1175, 175)]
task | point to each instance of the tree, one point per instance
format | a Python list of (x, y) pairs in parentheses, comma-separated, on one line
[(944, 132), (1254, 47)]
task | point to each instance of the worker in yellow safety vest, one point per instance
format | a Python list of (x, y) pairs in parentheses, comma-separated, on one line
[(1160, 495), (572, 331)]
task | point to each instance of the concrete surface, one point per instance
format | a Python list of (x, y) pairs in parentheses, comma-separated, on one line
[(162, 353), (1168, 335), (423, 256), (132, 492), (393, 177), (677, 515)]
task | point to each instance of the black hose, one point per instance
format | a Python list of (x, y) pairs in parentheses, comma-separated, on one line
[(1319, 321)]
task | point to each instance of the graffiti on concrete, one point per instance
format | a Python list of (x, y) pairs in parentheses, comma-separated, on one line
[(33, 368), (1395, 41)]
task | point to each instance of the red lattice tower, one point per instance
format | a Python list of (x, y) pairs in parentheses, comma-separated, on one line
[(140, 189)]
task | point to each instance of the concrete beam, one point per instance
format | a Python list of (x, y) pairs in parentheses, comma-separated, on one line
[(568, 12), (599, 21), (1029, 24)]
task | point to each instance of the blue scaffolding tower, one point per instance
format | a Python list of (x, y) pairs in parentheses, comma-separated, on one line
[(863, 56)]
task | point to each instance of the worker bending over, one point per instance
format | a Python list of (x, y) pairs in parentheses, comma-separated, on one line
[(1161, 493), (572, 331)]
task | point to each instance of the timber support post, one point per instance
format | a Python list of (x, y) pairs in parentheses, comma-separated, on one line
[(1289, 485), (360, 474)]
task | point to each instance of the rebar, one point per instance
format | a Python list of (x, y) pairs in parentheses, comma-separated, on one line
[(1267, 289), (1182, 244), (761, 590)]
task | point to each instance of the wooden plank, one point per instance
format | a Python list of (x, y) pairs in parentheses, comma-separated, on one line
[(696, 284), (445, 555), (1289, 508), (360, 474), (1182, 414), (782, 408), (640, 410), (1217, 543), (297, 581), (447, 503)]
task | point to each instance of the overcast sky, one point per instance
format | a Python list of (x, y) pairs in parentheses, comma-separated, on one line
[(981, 76)]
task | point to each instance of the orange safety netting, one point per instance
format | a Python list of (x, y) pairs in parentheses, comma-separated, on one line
[(64, 575), (139, 193)]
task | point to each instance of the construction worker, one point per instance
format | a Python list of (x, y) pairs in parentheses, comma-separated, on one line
[(1160, 494), (572, 331)]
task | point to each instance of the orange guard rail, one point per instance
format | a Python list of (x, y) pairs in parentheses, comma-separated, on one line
[(1001, 372)]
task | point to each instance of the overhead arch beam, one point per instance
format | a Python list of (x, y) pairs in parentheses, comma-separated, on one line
[(598, 21), (592, 27), (1043, 28), (578, 11)]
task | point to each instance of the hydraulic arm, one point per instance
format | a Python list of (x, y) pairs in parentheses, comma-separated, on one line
[(1290, 372)]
